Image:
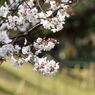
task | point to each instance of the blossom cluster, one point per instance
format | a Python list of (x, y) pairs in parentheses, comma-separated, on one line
[(45, 66), (20, 18), (44, 45)]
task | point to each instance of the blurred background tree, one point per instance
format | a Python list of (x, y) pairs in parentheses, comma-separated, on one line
[(77, 39)]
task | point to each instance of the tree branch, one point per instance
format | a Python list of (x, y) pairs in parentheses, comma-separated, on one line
[(28, 34)]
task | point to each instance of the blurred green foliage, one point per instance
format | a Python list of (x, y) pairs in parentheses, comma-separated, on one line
[(77, 39), (24, 81)]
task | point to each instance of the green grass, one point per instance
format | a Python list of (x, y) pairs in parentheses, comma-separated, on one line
[(25, 81)]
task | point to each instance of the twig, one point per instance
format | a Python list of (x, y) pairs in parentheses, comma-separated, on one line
[(34, 28)]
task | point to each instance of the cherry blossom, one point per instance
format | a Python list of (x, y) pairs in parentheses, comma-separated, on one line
[(45, 66), (25, 16)]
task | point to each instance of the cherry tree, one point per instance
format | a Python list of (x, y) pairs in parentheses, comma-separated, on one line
[(25, 17)]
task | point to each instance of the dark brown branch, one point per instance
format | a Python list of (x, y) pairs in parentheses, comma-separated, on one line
[(32, 30), (14, 9)]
